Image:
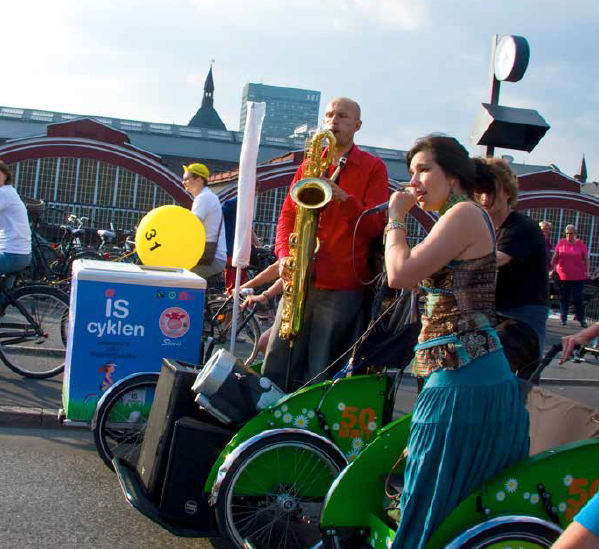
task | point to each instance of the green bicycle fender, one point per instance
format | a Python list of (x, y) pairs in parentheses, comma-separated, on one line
[(352, 411), (366, 476), (568, 473)]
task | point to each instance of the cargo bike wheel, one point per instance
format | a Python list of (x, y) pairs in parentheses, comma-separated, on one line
[(121, 416), (274, 488), (508, 531)]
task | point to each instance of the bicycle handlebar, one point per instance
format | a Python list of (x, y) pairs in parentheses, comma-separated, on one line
[(535, 378)]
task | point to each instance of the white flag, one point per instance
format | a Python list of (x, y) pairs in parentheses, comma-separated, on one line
[(246, 192), (246, 186)]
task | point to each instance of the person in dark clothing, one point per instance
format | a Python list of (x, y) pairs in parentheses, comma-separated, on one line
[(229, 222), (522, 297), (546, 230)]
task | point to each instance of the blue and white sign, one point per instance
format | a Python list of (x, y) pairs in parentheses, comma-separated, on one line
[(125, 319)]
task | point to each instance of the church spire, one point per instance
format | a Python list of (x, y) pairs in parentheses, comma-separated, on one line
[(207, 117), (583, 170), (208, 99)]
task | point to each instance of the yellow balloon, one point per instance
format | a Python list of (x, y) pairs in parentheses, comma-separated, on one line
[(170, 236)]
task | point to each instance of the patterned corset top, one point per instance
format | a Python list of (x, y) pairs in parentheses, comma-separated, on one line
[(459, 317)]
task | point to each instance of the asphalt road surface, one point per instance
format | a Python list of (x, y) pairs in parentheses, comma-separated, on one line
[(58, 494)]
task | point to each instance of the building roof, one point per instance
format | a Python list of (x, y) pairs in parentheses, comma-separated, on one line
[(207, 117)]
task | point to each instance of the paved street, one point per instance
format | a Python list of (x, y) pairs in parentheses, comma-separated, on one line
[(57, 494)]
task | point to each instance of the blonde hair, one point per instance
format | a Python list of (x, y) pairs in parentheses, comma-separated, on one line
[(505, 179)]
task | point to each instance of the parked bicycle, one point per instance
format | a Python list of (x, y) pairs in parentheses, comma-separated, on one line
[(33, 328), (70, 247), (43, 255), (218, 319), (117, 244)]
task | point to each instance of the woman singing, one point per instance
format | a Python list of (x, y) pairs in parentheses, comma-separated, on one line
[(469, 421)]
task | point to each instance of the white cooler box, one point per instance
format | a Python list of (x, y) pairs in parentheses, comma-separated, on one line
[(125, 319)]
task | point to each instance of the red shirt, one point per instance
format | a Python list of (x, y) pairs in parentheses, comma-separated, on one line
[(365, 180)]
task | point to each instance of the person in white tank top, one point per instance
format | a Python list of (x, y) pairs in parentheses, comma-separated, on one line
[(15, 233)]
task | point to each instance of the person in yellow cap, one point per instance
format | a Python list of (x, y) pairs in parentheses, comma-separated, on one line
[(206, 206)]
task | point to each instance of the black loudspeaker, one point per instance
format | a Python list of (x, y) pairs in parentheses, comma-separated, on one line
[(173, 400), (194, 449)]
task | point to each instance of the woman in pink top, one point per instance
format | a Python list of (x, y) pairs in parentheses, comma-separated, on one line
[(571, 263)]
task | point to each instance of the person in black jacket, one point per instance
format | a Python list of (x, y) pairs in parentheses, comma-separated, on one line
[(522, 297)]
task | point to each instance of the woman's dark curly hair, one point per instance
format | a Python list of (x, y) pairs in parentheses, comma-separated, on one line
[(455, 161)]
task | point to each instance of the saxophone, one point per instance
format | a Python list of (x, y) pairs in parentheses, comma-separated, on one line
[(310, 195)]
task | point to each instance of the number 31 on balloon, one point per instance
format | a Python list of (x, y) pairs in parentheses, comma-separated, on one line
[(170, 236)]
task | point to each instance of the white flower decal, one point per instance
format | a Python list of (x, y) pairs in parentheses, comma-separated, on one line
[(301, 421), (511, 485), (304, 411), (351, 455), (287, 418), (568, 480), (388, 542), (526, 495), (311, 414), (534, 499), (563, 506), (372, 426), (278, 414), (284, 407), (335, 426), (500, 496), (357, 443), (376, 535), (341, 406)]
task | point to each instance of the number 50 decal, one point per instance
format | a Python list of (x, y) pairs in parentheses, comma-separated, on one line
[(355, 424), (577, 488)]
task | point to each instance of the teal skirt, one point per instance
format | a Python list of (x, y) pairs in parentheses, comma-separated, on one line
[(468, 424)]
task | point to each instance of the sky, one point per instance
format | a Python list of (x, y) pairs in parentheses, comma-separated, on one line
[(415, 66)]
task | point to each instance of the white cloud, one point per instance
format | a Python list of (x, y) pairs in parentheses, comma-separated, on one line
[(313, 17)]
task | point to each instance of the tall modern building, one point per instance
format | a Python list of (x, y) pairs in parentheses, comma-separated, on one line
[(286, 108)]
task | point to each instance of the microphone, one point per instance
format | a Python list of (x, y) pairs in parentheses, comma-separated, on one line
[(385, 205), (377, 209)]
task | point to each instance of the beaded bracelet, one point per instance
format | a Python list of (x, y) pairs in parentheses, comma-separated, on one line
[(395, 225)]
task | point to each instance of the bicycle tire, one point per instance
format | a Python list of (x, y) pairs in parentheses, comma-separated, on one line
[(120, 419), (274, 490), (218, 325), (515, 531), (36, 352)]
